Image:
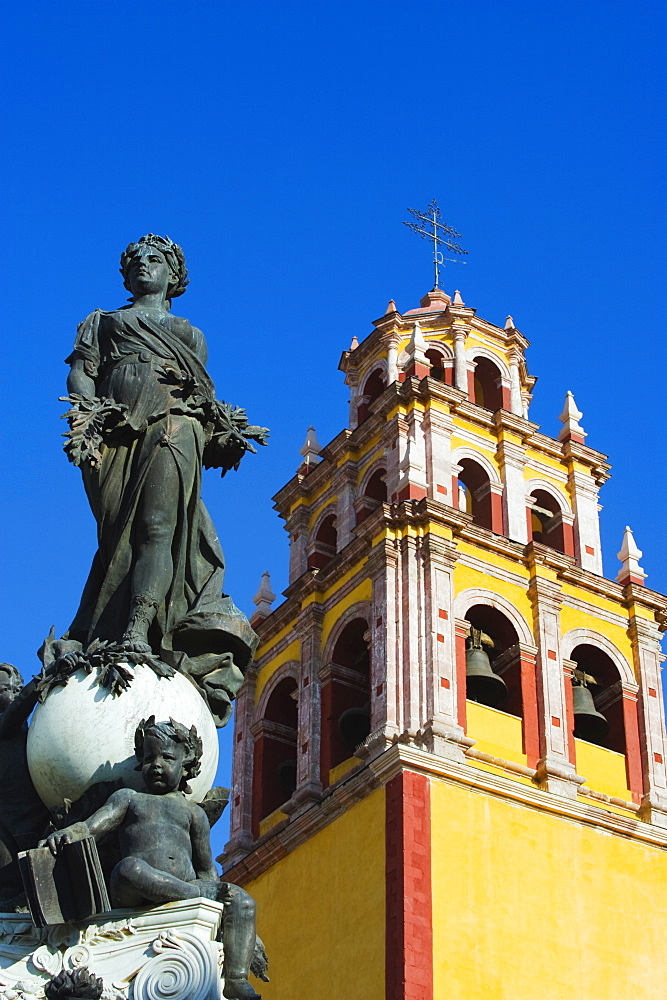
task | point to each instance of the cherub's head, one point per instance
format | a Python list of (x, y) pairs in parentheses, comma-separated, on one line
[(11, 683), (169, 754)]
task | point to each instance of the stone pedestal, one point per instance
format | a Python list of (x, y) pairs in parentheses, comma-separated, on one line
[(167, 953)]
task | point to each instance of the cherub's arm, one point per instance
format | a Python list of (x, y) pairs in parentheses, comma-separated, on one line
[(200, 839), (108, 818), (18, 710)]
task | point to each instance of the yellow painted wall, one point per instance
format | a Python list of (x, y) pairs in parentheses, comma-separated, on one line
[(527, 905), (603, 769), (291, 652), (325, 903), (496, 732)]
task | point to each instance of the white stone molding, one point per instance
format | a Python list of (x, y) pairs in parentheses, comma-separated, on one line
[(478, 351), (362, 609), (377, 365), (290, 669), (378, 465), (648, 657), (553, 491), (331, 508), (433, 344), (477, 595), (474, 456), (169, 952), (577, 636)]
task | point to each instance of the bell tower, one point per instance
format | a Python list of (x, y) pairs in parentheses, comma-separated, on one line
[(450, 755)]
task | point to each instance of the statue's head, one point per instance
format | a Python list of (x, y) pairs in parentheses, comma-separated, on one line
[(172, 255), (169, 754), (11, 683)]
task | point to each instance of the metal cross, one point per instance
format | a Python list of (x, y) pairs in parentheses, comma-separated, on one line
[(439, 233)]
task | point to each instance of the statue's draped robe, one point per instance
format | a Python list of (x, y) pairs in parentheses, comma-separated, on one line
[(129, 354)]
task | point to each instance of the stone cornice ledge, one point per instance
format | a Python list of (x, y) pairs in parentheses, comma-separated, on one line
[(400, 757)]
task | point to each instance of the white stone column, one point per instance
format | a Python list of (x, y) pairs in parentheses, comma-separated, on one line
[(512, 458), (411, 645), (392, 360), (516, 401), (460, 332), (555, 772)]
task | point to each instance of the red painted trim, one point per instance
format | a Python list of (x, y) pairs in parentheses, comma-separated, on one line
[(460, 632), (633, 756), (530, 720), (506, 397), (411, 492), (568, 539), (497, 513), (471, 387), (409, 901)]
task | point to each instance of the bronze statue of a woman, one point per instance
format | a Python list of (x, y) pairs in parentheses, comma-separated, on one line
[(144, 420)]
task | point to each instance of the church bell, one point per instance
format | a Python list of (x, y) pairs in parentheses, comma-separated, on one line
[(589, 724), (482, 684)]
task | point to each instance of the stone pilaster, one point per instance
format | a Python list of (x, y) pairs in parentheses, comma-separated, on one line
[(584, 495), (512, 458), (648, 656), (555, 771), (345, 512), (240, 832), (516, 402), (308, 628), (438, 427), (441, 732), (297, 528), (411, 457)]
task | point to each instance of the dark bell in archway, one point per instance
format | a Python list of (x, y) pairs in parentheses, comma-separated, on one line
[(287, 776), (589, 724), (354, 725), (482, 684)]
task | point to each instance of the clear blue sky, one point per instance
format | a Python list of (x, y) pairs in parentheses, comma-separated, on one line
[(281, 143)]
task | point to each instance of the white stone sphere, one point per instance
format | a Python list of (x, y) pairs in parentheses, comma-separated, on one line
[(83, 734)]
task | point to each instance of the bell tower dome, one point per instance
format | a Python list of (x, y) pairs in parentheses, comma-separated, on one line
[(452, 742)]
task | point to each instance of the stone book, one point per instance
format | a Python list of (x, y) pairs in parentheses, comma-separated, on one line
[(67, 887)]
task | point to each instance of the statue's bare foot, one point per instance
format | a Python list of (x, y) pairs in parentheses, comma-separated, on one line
[(135, 643), (239, 989)]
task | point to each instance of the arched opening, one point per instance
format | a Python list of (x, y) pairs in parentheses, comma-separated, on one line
[(275, 752), (374, 386), (374, 494), (346, 698), (439, 371), (487, 386), (324, 545), (599, 698), (476, 497), (545, 520), (498, 638)]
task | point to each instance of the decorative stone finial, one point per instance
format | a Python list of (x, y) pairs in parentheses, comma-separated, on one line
[(354, 344), (509, 324), (391, 307), (570, 417), (311, 449), (457, 300), (631, 571), (264, 597)]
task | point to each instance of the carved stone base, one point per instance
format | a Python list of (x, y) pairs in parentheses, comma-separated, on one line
[(167, 953)]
